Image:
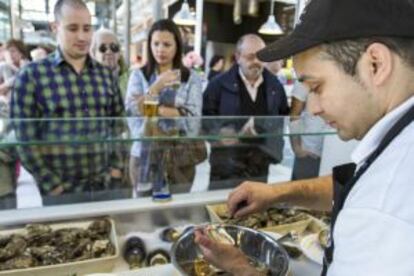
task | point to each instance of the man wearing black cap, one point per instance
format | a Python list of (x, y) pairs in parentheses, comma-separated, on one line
[(356, 57)]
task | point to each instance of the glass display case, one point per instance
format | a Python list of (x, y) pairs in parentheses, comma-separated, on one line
[(146, 173), (67, 161), (48, 162)]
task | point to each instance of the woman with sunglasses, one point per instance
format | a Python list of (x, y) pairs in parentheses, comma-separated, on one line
[(106, 50), (177, 90)]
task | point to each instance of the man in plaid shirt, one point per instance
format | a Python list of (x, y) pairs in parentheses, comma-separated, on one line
[(68, 84)]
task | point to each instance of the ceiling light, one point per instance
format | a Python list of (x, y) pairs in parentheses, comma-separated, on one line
[(271, 27), (184, 16)]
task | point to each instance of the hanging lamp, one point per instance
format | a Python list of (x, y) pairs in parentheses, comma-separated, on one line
[(184, 16), (271, 27)]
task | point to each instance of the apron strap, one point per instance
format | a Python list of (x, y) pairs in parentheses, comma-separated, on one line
[(341, 173)]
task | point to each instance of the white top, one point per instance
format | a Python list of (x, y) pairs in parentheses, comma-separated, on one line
[(252, 89), (374, 233), (311, 143)]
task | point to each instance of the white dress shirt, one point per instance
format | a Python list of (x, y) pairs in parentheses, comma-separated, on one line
[(374, 232), (252, 89)]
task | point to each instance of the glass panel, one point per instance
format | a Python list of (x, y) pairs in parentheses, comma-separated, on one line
[(64, 161), (97, 130)]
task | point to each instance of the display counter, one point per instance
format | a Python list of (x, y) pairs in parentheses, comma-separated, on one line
[(90, 168)]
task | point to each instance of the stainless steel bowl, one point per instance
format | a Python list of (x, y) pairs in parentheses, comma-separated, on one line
[(258, 246)]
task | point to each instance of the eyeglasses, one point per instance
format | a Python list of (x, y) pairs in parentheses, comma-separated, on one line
[(112, 46)]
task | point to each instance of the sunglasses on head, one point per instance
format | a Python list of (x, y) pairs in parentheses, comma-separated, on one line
[(112, 46)]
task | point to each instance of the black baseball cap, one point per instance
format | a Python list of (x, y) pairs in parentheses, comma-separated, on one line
[(324, 21)]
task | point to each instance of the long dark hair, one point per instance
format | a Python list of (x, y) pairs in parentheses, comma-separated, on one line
[(214, 60), (166, 25)]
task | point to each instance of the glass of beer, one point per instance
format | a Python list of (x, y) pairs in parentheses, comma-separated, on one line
[(151, 106)]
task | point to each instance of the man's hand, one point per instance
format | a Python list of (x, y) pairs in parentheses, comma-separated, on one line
[(250, 197), (224, 256)]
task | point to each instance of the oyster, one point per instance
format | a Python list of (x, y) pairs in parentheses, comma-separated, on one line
[(16, 246), (323, 238), (102, 248), (47, 255), (38, 234), (23, 261), (83, 250), (4, 240), (101, 227), (219, 234)]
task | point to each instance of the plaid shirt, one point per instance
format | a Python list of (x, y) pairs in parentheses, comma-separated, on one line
[(68, 102)]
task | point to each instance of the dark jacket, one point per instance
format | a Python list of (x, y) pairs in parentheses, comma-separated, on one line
[(222, 98)]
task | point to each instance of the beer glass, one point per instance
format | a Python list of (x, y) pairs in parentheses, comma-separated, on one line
[(151, 106)]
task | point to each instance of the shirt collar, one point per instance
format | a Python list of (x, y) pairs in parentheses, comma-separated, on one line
[(374, 136), (258, 82), (59, 59)]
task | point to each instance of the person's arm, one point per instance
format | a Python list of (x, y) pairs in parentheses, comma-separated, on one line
[(24, 106), (316, 193), (118, 127), (296, 109), (192, 100), (8, 76), (211, 99), (134, 94), (284, 105), (298, 104), (4, 89)]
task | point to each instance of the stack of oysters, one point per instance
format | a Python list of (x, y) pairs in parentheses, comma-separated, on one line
[(41, 245)]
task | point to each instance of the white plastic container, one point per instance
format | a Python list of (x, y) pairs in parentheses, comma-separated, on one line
[(96, 265)]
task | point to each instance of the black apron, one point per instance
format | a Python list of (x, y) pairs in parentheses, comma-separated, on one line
[(344, 178)]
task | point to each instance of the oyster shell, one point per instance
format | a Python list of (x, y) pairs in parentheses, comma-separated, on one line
[(14, 247), (38, 234), (4, 240), (323, 238), (23, 261), (101, 227), (219, 234), (102, 248), (47, 255)]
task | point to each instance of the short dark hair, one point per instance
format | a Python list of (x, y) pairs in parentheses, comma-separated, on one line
[(347, 53), (19, 45), (166, 25), (57, 11), (214, 60)]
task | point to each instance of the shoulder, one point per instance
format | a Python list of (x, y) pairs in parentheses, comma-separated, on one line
[(228, 76), (194, 77), (137, 75), (274, 80), (389, 190), (38, 68)]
